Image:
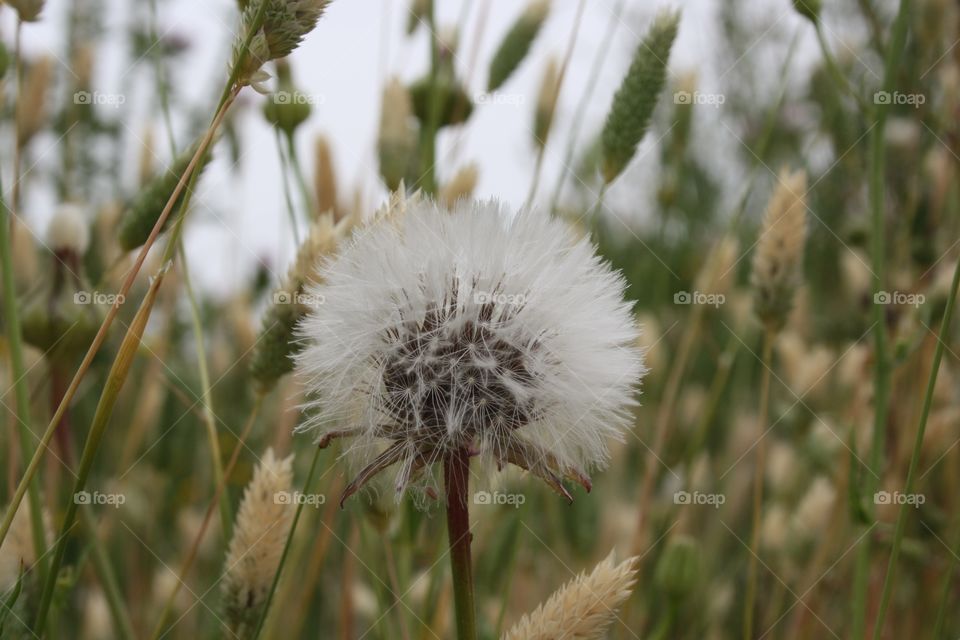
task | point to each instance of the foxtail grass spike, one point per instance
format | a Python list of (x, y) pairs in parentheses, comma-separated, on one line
[(516, 44), (636, 99), (546, 103), (584, 608), (262, 524), (140, 218), (777, 260)]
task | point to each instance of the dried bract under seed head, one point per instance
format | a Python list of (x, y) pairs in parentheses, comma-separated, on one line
[(778, 258), (471, 329)]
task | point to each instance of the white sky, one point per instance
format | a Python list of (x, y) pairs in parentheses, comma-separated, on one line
[(343, 64)]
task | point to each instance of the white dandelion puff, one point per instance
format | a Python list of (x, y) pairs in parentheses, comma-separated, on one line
[(471, 330)]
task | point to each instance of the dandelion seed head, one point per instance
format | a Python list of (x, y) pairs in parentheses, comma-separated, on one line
[(469, 328)]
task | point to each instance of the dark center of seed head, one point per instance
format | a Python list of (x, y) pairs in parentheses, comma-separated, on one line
[(437, 376)]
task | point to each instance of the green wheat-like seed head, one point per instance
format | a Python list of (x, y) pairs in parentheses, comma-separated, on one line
[(516, 44), (284, 25), (809, 9), (636, 98), (140, 218)]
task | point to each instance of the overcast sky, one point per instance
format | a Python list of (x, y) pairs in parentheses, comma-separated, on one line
[(343, 65)]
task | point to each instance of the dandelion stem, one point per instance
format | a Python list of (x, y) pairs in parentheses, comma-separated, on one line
[(286, 547), (759, 472), (456, 469), (915, 456)]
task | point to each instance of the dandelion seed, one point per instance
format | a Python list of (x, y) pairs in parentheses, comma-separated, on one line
[(584, 608), (467, 329)]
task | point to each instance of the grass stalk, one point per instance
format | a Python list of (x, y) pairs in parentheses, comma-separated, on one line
[(286, 546), (209, 420), (585, 98), (187, 180), (571, 45), (122, 626), (205, 525), (111, 390), (287, 195), (11, 312), (881, 356), (915, 455), (759, 474)]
